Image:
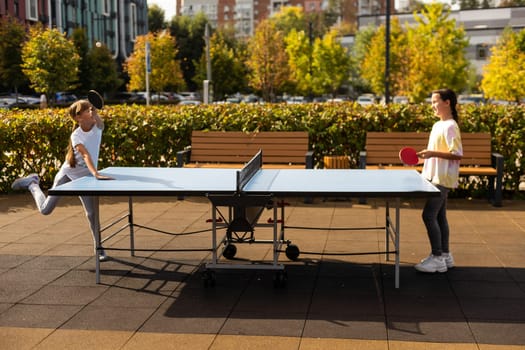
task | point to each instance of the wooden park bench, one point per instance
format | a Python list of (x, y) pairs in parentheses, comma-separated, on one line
[(382, 152), (281, 149)]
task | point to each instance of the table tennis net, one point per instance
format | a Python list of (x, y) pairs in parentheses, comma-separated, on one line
[(249, 170)]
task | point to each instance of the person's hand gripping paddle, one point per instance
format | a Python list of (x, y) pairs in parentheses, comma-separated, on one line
[(408, 156), (95, 99)]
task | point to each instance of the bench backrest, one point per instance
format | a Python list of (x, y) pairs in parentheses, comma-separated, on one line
[(383, 147), (239, 147)]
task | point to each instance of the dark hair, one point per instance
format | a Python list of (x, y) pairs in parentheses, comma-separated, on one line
[(75, 109), (448, 94)]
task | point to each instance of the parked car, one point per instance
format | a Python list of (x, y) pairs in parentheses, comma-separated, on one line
[(365, 100), (155, 97), (7, 102), (400, 99), (476, 99), (190, 95), (30, 100), (296, 99), (65, 97), (190, 102)]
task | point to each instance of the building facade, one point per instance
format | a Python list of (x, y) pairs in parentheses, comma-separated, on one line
[(114, 23), (242, 15)]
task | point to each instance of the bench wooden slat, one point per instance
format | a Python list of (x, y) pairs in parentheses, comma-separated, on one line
[(236, 147)]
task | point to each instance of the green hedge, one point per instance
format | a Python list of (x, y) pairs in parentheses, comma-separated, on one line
[(35, 140)]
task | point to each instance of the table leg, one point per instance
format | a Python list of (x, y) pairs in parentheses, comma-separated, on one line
[(131, 227), (97, 237), (397, 239)]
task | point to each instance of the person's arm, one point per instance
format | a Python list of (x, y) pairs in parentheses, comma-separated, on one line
[(89, 163), (98, 119), (425, 154)]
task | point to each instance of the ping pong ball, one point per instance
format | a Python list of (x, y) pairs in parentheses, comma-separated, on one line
[(98, 44)]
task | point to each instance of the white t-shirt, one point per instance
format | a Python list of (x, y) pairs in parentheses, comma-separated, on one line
[(91, 140), (444, 137)]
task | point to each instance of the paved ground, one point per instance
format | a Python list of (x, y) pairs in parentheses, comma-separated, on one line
[(156, 300)]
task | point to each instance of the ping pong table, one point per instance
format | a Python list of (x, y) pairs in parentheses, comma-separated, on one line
[(239, 196)]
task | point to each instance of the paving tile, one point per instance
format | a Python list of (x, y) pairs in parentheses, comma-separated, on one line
[(169, 323), (84, 277), (16, 248), (37, 316), (8, 261), (271, 323), (82, 339), (17, 291), (405, 345), (54, 262), (65, 295), (423, 307), (125, 297), (109, 318), (323, 326), (345, 305), (427, 329), (16, 338), (500, 347), (498, 333), (31, 276), (481, 273), (495, 309), (488, 289), (254, 342), (5, 306), (336, 344), (160, 341)]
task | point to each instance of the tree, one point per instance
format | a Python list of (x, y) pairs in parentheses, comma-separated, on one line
[(13, 36), (84, 73), (300, 60), (359, 51), (165, 69), (267, 60), (415, 71), (156, 18), (504, 76), (50, 61), (317, 67), (227, 65), (290, 18), (442, 63), (103, 70), (332, 64), (189, 32), (373, 64)]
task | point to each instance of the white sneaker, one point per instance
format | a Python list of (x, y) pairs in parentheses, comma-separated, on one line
[(24, 182), (432, 264), (102, 256), (449, 260)]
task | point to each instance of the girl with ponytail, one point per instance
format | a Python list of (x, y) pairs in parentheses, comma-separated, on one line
[(81, 160), (441, 167)]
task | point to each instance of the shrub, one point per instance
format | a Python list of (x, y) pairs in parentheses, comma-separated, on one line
[(135, 135)]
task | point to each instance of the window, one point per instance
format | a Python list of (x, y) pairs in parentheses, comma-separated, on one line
[(481, 52), (32, 10), (133, 21), (106, 7)]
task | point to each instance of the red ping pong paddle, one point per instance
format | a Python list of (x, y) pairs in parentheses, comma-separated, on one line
[(95, 99), (408, 156)]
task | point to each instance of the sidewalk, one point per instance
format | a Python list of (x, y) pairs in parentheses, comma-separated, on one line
[(156, 300)]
